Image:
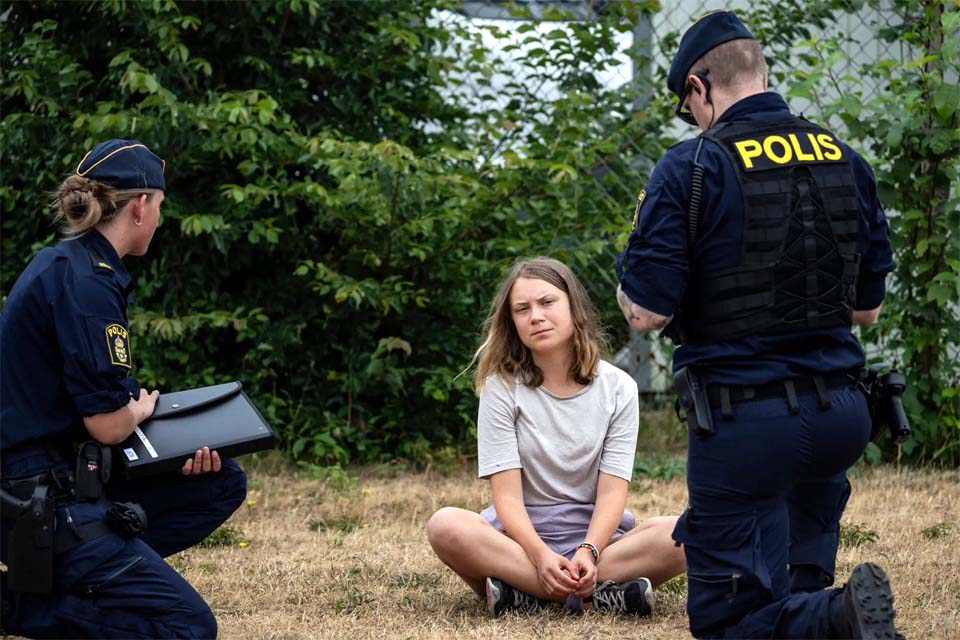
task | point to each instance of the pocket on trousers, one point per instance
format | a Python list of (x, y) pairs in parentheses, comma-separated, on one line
[(112, 578), (726, 575), (714, 531)]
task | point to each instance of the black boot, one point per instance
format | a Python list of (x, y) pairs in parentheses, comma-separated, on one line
[(865, 609)]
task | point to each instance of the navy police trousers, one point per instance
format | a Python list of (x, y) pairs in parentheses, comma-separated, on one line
[(767, 490), (116, 587)]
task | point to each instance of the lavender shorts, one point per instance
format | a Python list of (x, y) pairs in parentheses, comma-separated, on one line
[(562, 526)]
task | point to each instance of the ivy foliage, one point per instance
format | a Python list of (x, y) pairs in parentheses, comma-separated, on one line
[(911, 131), (347, 182)]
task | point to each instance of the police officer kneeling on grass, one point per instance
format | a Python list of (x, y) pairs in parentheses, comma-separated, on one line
[(84, 553), (761, 242)]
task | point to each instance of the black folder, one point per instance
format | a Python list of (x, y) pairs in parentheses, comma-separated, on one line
[(220, 417)]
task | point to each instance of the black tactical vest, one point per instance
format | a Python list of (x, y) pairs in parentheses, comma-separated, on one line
[(799, 262)]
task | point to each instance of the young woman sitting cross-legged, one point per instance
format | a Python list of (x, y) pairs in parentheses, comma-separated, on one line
[(557, 432)]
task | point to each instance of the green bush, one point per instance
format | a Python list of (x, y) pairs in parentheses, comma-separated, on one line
[(337, 216), (347, 181), (911, 129)]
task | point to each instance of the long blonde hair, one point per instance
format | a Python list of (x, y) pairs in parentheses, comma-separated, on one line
[(502, 353)]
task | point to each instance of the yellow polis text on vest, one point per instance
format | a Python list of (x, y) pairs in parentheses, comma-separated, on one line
[(787, 149)]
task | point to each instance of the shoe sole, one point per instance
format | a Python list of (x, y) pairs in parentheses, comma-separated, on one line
[(493, 595), (871, 601), (648, 596)]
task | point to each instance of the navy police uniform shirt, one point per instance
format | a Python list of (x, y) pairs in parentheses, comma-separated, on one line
[(655, 267), (64, 341)]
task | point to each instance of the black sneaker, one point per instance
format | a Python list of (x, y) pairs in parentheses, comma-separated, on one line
[(633, 598), (868, 604), (501, 598)]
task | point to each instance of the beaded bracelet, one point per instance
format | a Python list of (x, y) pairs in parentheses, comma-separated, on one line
[(592, 549)]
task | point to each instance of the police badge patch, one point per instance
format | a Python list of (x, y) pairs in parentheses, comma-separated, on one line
[(118, 345)]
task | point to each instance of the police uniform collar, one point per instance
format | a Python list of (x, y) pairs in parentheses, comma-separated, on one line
[(758, 103), (95, 242)]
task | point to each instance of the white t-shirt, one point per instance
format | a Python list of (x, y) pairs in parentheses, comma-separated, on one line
[(560, 443)]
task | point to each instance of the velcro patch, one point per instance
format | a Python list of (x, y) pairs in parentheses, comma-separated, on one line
[(118, 345)]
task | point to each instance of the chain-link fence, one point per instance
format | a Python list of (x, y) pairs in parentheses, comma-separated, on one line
[(514, 33)]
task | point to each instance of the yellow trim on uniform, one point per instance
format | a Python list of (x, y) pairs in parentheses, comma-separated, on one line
[(107, 157), (636, 212)]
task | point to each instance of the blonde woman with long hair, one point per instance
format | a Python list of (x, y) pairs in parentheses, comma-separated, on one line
[(557, 431)]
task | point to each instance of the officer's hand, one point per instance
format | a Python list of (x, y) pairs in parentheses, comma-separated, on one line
[(640, 319), (143, 406), (204, 461), (556, 574)]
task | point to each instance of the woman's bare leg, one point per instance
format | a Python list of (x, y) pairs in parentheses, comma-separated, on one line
[(469, 545), (647, 550)]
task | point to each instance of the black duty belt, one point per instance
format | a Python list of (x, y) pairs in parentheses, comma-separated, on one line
[(60, 484), (724, 397)]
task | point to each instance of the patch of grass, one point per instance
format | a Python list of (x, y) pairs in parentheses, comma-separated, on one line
[(676, 585), (384, 581), (343, 524), (267, 463), (659, 467), (660, 430), (179, 562), (226, 536), (855, 535), (353, 599), (939, 530), (335, 478), (417, 580), (468, 505)]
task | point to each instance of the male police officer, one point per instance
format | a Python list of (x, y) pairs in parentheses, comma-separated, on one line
[(786, 247)]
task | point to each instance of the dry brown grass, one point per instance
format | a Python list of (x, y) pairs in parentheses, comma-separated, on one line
[(322, 561)]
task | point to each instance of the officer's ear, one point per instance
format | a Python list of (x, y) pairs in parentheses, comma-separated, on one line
[(138, 206), (699, 85)]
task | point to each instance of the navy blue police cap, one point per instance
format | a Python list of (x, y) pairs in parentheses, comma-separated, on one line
[(124, 164), (708, 32)]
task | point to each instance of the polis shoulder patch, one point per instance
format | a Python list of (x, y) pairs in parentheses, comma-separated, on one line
[(636, 212), (118, 345)]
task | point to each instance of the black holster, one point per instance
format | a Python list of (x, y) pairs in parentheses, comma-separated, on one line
[(30, 545), (883, 387), (693, 405)]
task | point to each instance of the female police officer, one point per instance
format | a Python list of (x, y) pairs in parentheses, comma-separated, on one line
[(66, 356)]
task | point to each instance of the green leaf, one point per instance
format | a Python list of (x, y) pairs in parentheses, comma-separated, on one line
[(946, 99), (940, 293)]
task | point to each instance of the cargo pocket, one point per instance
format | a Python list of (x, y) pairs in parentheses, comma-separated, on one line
[(112, 579), (726, 576)]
